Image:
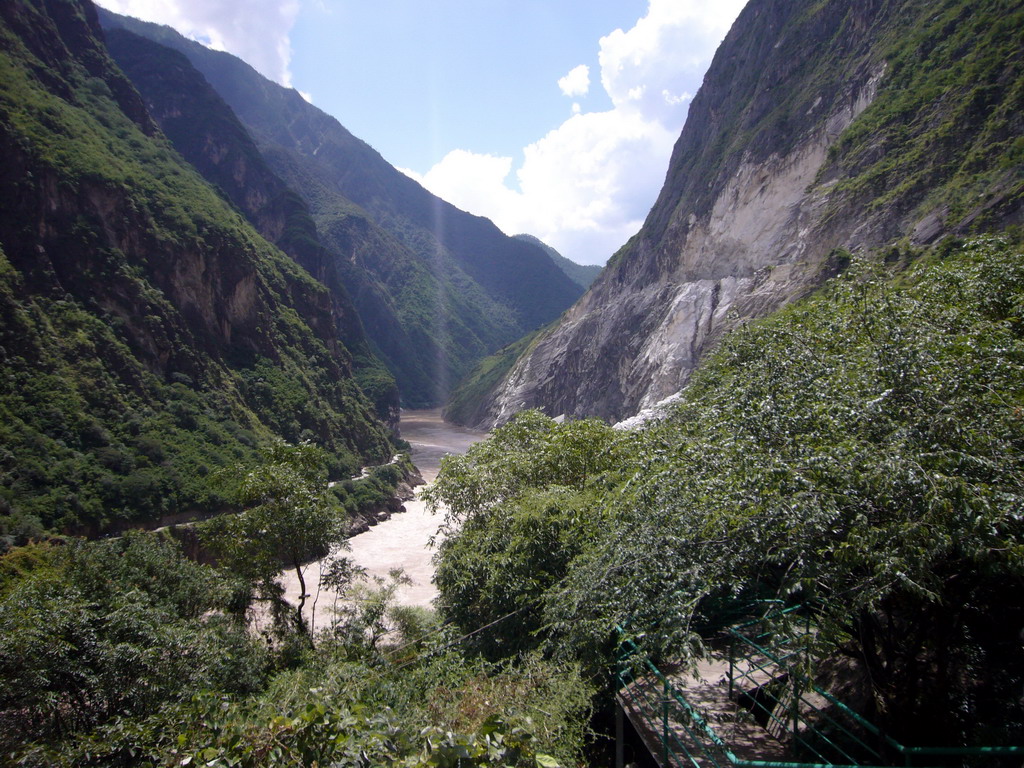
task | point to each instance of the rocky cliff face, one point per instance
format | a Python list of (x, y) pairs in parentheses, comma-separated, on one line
[(819, 126)]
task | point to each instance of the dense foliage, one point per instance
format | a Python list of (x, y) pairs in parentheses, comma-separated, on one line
[(148, 335), (519, 509), (90, 631), (123, 652), (859, 452)]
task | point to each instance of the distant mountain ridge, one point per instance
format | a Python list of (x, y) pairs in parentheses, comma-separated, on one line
[(208, 134), (581, 274), (822, 128), (436, 288)]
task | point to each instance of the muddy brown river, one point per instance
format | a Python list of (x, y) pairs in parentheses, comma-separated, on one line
[(402, 541)]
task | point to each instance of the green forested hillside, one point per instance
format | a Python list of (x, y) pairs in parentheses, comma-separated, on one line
[(859, 453), (149, 335), (209, 136), (437, 288), (581, 274)]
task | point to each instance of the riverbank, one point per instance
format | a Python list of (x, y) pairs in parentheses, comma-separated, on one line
[(401, 541)]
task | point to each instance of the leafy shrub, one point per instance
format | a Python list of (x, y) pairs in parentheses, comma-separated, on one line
[(859, 451), (96, 630)]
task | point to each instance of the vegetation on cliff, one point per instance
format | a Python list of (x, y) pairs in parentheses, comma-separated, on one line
[(943, 129), (464, 405), (859, 452), (210, 137), (148, 334), (437, 288), (946, 134)]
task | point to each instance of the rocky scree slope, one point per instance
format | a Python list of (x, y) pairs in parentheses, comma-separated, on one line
[(148, 335), (436, 288), (821, 125)]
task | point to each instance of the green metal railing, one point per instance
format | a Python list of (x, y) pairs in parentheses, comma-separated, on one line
[(767, 672), (692, 741), (768, 662)]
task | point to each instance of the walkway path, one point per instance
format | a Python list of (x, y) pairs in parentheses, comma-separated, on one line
[(707, 691)]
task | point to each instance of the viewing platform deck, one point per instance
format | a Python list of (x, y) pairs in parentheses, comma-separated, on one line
[(751, 704), (646, 701)]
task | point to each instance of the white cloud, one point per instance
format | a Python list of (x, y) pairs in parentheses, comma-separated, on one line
[(672, 98), (473, 182), (257, 31), (577, 82), (586, 187), (583, 188), (655, 66)]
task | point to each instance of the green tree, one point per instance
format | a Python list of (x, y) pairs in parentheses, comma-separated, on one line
[(95, 630), (519, 507), (289, 518)]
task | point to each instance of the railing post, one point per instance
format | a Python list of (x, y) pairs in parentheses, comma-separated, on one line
[(800, 664), (664, 725), (732, 660), (620, 735), (795, 710)]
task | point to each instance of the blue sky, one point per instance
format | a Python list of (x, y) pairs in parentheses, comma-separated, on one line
[(553, 117), (417, 80)]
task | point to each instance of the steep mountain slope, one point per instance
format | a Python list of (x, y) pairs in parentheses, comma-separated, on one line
[(437, 288), (207, 134), (148, 334), (581, 274), (820, 125)]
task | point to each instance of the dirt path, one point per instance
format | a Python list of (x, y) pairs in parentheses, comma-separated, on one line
[(400, 542)]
